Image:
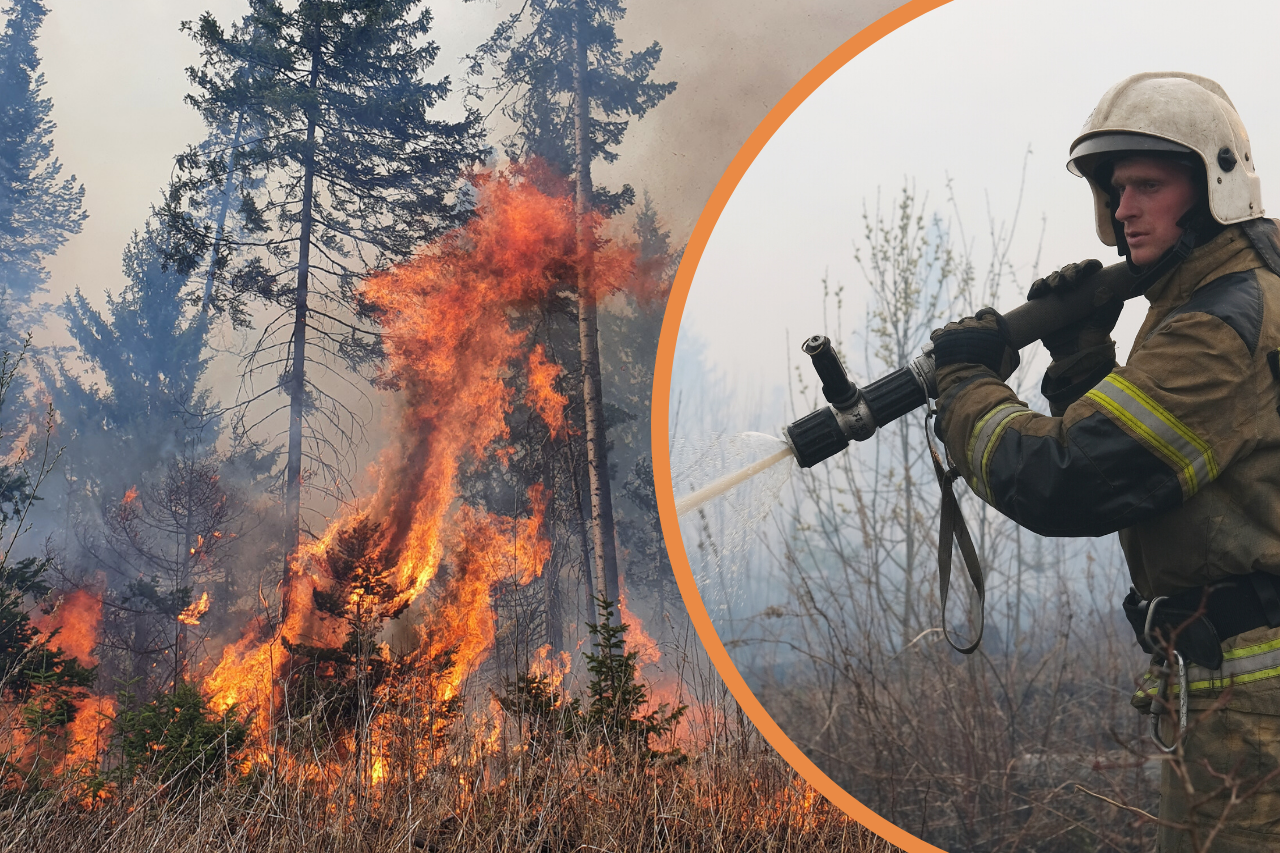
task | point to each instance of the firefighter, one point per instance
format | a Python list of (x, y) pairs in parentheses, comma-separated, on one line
[(1178, 450)]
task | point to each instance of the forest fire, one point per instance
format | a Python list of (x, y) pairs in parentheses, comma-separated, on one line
[(453, 341), (191, 614)]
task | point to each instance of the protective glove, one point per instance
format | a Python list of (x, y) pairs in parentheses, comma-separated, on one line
[(1083, 352), (963, 348)]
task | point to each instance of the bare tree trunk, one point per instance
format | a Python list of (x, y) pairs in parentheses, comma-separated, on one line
[(222, 216), (553, 607), (602, 532), (297, 374)]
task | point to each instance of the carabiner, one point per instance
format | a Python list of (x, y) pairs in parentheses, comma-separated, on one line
[(1184, 705)]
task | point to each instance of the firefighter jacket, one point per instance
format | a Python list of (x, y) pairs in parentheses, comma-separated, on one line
[(1178, 450)]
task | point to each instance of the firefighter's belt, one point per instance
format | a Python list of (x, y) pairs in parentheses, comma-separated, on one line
[(1194, 622)]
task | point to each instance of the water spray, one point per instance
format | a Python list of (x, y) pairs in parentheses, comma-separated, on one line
[(727, 482), (854, 414)]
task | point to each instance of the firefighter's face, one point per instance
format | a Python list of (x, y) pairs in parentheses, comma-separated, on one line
[(1154, 194)]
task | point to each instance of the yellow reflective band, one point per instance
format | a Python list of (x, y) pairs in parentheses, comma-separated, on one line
[(986, 435), (1185, 451), (1221, 683), (1249, 651), (1178, 426), (1239, 666)]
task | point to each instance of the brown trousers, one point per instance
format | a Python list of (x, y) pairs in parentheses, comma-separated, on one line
[(1223, 797)]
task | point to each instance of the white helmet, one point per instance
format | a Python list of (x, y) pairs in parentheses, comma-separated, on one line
[(1162, 113)]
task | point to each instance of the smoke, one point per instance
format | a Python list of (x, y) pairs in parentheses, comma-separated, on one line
[(733, 61)]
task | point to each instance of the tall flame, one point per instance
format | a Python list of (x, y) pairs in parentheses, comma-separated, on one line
[(453, 337)]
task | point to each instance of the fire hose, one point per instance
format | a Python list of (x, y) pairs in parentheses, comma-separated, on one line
[(854, 414)]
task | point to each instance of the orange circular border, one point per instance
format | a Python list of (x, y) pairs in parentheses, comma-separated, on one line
[(661, 413)]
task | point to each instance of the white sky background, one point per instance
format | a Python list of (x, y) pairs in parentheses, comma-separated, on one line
[(961, 91)]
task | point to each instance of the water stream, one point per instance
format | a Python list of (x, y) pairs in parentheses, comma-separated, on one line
[(727, 487), (727, 482)]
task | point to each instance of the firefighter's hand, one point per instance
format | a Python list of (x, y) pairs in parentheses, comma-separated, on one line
[(979, 340), (1064, 280), (1091, 334)]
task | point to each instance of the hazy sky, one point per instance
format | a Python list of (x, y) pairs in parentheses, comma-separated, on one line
[(960, 92)]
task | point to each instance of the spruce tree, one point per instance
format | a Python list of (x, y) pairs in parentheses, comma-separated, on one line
[(34, 676), (346, 170), (39, 209), (150, 358)]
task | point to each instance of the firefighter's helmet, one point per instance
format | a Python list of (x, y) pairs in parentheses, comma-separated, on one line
[(1166, 114)]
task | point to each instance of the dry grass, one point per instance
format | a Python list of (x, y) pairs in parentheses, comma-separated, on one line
[(728, 796)]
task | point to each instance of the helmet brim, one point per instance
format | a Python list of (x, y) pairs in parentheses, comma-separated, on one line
[(1089, 149)]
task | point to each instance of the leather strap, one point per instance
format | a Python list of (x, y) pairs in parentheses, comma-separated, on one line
[(953, 531)]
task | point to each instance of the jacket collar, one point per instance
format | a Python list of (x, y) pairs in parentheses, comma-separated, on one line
[(1230, 251)]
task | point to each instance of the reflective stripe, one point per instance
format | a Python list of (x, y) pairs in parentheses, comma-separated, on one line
[(986, 435), (1185, 451), (1239, 666)]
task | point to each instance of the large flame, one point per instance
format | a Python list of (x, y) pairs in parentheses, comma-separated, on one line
[(454, 337)]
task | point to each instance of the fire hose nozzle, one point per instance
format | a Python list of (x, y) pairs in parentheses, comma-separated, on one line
[(824, 433), (855, 414), (836, 387)]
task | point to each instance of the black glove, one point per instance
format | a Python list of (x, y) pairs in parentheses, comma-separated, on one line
[(1082, 352), (1094, 330), (982, 339)]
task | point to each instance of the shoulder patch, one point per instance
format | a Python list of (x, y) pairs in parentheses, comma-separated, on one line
[(1235, 299)]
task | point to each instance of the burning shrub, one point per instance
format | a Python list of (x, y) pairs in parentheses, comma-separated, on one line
[(614, 715)]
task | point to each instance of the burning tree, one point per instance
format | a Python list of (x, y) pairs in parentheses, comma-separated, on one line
[(455, 332), (152, 504), (346, 171), (43, 676), (567, 86)]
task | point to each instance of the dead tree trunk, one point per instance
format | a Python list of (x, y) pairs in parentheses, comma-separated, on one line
[(297, 372), (602, 531)]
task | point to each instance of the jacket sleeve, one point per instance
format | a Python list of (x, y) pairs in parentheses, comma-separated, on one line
[(1139, 443)]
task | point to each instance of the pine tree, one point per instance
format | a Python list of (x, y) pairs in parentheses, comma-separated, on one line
[(39, 210), (346, 170), (151, 499), (569, 89)]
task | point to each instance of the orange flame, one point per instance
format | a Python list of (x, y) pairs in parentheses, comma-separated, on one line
[(542, 395), (76, 619), (636, 637), (191, 614), (554, 670), (88, 734), (454, 332)]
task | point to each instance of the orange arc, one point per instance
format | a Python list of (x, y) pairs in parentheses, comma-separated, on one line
[(661, 413)]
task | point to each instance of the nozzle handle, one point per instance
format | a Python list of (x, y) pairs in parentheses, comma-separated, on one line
[(836, 387), (1035, 318)]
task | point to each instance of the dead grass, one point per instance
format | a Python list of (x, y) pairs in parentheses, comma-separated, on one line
[(728, 796)]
